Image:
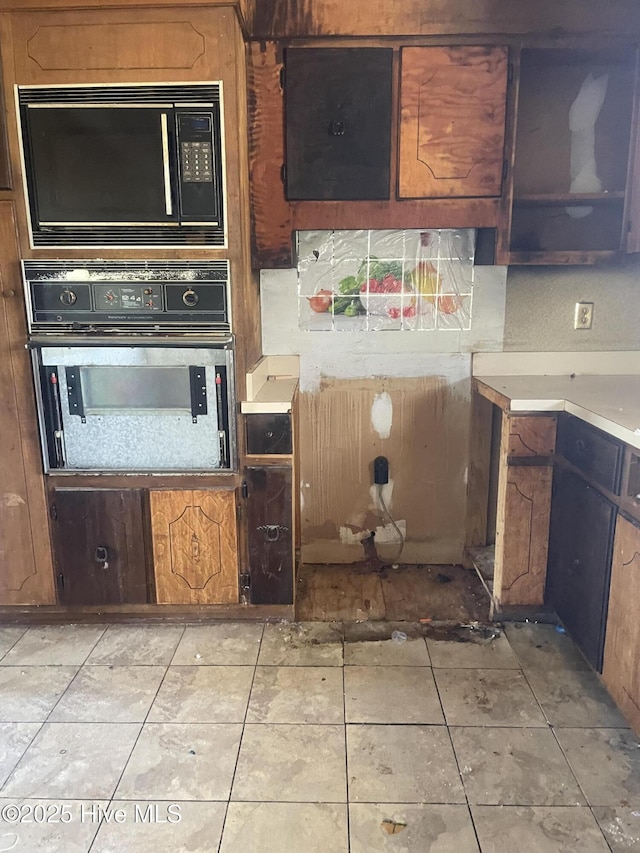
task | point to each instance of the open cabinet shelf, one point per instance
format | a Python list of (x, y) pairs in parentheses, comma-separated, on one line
[(572, 138)]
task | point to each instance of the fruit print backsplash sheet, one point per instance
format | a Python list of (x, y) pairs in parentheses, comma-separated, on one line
[(418, 280)]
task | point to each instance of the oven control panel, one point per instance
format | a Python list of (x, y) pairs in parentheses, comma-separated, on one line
[(88, 296)]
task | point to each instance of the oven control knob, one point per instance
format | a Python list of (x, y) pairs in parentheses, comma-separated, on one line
[(68, 297), (190, 298)]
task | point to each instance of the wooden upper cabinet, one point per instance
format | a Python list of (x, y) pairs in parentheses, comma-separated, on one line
[(338, 122), (195, 546), (452, 121), (572, 189)]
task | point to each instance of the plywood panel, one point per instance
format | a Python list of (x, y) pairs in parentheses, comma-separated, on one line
[(621, 671), (281, 18), (427, 449), (270, 216), (522, 523), (80, 47), (26, 572), (195, 547), (452, 121), (479, 471), (124, 45), (531, 436)]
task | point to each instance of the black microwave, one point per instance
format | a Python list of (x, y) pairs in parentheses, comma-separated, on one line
[(125, 165)]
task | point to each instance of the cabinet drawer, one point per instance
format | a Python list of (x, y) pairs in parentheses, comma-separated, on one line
[(595, 453), (269, 433)]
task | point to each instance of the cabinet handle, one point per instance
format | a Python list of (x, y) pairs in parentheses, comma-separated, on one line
[(8, 294), (581, 446), (272, 531)]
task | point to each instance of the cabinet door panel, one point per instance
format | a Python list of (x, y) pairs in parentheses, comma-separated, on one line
[(621, 671), (98, 539), (452, 125), (580, 543), (195, 547), (26, 571), (338, 117), (270, 534)]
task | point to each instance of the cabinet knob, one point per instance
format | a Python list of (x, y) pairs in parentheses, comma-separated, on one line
[(581, 446), (337, 128), (8, 294)]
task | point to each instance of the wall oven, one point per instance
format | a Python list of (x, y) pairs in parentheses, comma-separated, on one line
[(133, 365), (126, 165)]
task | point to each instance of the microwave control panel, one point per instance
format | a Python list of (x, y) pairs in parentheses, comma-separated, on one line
[(88, 296)]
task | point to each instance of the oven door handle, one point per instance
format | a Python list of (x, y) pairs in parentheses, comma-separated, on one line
[(198, 382), (164, 131)]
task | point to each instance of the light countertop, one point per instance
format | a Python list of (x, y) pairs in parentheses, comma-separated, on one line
[(609, 401), (271, 385)]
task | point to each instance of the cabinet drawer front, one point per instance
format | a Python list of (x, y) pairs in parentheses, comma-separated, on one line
[(269, 434), (598, 455)]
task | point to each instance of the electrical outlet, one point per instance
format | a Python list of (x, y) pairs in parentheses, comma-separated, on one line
[(583, 317)]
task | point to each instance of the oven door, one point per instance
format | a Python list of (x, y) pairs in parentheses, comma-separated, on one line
[(149, 409)]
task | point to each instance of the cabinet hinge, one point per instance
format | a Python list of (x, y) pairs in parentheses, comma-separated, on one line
[(244, 489), (60, 580), (505, 169), (53, 512), (245, 580), (283, 173), (629, 227), (282, 77), (510, 72)]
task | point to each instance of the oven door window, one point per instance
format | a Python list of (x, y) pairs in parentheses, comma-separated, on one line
[(118, 390)]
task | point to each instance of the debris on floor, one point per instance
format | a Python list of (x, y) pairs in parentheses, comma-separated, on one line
[(392, 827)]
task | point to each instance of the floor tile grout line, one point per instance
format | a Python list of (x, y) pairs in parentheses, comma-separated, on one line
[(135, 743), (6, 652), (455, 758), (552, 729), (582, 791), (244, 723), (16, 765)]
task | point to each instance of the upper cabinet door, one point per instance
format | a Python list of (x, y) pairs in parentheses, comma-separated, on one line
[(452, 121), (338, 120)]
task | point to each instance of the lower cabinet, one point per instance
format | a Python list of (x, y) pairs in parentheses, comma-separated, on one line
[(270, 526), (195, 546), (578, 571), (621, 671), (98, 543)]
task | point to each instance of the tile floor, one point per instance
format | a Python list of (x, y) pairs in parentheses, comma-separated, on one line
[(318, 738)]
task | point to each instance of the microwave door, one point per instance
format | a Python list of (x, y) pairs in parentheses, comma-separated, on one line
[(102, 164)]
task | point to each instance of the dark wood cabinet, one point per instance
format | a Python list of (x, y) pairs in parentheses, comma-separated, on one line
[(452, 121), (270, 529), (99, 546), (579, 565), (269, 433), (338, 123)]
